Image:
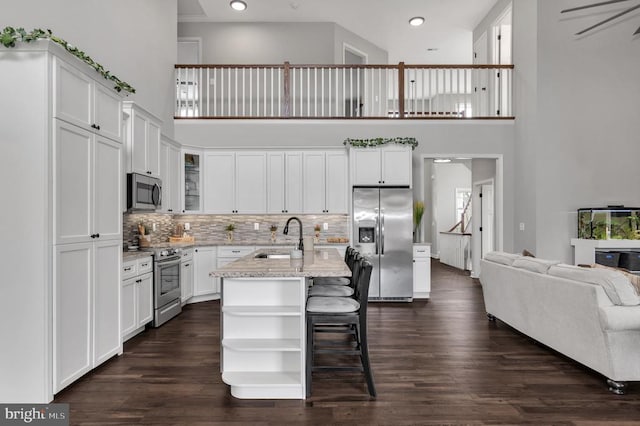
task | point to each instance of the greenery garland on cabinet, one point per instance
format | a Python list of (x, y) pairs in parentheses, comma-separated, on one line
[(366, 143), (10, 35)]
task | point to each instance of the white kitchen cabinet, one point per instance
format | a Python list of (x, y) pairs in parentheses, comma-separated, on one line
[(284, 182), (386, 165), (137, 297), (81, 101), (170, 175), (235, 182), (87, 173), (325, 182), (192, 194), (142, 136), (421, 271), (186, 275), (86, 311), (65, 147), (204, 286)]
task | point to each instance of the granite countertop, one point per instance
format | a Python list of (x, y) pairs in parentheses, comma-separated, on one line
[(128, 256), (266, 243), (321, 262)]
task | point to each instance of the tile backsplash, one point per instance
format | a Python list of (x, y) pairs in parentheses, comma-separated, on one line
[(212, 227)]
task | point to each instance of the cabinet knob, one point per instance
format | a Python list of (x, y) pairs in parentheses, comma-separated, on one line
[(95, 126), (138, 281), (97, 235)]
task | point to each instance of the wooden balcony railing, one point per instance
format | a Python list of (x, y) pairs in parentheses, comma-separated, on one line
[(344, 91)]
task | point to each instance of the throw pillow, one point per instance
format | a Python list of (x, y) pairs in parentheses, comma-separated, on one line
[(633, 278), (533, 264), (501, 257), (527, 253)]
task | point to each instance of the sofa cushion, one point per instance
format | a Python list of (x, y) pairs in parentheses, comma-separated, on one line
[(501, 257), (633, 278), (617, 287), (534, 264)]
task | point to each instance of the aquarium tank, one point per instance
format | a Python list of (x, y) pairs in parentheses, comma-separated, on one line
[(609, 223)]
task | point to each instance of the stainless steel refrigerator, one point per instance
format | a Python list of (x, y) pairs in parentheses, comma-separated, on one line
[(382, 227)]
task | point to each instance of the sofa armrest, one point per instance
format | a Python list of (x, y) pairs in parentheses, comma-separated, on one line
[(619, 318)]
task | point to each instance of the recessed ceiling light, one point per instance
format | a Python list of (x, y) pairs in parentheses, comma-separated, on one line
[(238, 5), (442, 160), (432, 49), (416, 21)]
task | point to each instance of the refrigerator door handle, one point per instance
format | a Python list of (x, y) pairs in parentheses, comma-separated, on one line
[(381, 231), (377, 231)]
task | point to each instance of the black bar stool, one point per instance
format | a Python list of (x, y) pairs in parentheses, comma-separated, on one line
[(341, 315)]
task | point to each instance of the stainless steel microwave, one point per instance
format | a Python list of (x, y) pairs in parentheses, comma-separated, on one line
[(143, 192)]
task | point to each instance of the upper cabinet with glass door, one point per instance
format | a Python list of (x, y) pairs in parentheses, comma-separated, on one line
[(192, 182)]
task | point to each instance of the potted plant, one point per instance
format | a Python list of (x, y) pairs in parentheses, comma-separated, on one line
[(273, 228), (418, 211), (316, 230), (230, 228)]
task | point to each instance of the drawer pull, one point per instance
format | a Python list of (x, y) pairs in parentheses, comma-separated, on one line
[(127, 269)]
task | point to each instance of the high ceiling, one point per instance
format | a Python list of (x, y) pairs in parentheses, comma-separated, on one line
[(447, 28)]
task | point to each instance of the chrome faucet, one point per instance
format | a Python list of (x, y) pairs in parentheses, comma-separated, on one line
[(285, 231)]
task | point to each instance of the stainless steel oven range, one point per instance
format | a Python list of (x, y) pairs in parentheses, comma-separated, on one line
[(166, 284)]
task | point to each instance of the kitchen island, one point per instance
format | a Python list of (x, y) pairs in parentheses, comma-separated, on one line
[(263, 300)]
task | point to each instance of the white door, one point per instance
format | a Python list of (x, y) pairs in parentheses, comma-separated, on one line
[(72, 177), (186, 280), (144, 299), (153, 149), (107, 342), (128, 320), (396, 166), (336, 183), (188, 51), (74, 91), (107, 175), (251, 182), (205, 262), (164, 176), (219, 176), (139, 144), (367, 166), (275, 182), (313, 182), (174, 180), (488, 219), (481, 78), (72, 317), (293, 182), (107, 112)]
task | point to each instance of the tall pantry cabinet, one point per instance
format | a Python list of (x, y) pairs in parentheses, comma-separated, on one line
[(61, 128)]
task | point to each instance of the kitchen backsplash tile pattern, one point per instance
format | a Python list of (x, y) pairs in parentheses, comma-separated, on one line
[(212, 227)]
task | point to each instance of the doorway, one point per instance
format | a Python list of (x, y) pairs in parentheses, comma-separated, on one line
[(501, 47), (354, 100), (481, 223)]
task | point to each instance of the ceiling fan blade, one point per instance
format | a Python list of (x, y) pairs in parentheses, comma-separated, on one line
[(631, 9), (573, 9)]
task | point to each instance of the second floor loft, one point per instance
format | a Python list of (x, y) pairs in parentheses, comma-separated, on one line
[(291, 91)]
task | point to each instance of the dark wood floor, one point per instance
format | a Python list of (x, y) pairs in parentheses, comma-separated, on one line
[(435, 362)]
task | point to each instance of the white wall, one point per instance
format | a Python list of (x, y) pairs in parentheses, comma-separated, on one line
[(262, 42), (581, 131), (135, 40), (277, 42)]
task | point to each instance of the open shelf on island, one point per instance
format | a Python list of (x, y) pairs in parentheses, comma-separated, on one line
[(262, 310), (260, 345)]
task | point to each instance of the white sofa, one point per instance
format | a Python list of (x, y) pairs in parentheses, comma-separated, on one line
[(589, 315)]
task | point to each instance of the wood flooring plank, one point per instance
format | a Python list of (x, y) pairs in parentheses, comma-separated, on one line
[(434, 362)]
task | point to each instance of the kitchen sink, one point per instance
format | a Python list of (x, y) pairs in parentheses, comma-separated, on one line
[(273, 256)]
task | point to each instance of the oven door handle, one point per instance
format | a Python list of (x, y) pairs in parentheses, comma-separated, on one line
[(168, 262)]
